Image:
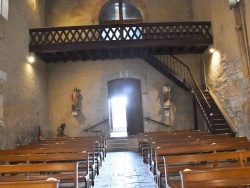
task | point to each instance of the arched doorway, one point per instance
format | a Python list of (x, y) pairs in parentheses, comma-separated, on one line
[(126, 114)]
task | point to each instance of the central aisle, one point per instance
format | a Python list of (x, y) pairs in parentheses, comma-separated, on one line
[(124, 170)]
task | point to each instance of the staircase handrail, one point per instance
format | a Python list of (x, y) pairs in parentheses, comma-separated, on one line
[(200, 91), (149, 119), (104, 121), (196, 92), (228, 119), (186, 74), (187, 78)]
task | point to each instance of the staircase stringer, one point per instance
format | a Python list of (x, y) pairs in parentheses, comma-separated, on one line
[(182, 73), (229, 121)]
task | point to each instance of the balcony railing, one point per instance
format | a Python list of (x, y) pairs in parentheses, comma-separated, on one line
[(100, 42), (124, 32)]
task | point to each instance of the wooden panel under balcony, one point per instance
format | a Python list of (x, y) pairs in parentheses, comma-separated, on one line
[(119, 41)]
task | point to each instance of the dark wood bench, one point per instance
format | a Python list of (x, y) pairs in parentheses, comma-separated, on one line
[(177, 143), (176, 138), (101, 139), (174, 164), (193, 149), (94, 157), (69, 143), (56, 154), (22, 151), (31, 184), (223, 140), (53, 158), (54, 144), (143, 137), (225, 177), (65, 172)]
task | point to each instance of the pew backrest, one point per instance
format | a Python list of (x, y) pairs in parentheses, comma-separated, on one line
[(39, 168), (31, 184), (225, 177), (174, 164)]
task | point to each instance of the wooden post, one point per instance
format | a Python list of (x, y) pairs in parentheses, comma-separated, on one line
[(195, 114)]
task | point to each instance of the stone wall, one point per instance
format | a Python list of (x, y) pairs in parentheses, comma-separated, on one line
[(39, 95), (86, 12), (24, 94), (226, 69), (91, 77)]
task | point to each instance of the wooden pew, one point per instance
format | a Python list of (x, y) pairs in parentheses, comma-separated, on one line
[(174, 164), (225, 177), (94, 161), (154, 145), (101, 139), (65, 172), (31, 184), (76, 143), (223, 140), (73, 149), (160, 152), (92, 146), (53, 158), (193, 149), (176, 138), (177, 143), (22, 151), (144, 137), (25, 155)]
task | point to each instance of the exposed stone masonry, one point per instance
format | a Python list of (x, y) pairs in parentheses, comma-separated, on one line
[(233, 91)]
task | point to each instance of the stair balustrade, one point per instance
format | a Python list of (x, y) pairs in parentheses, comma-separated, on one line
[(181, 74)]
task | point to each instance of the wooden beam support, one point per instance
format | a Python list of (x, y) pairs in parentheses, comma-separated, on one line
[(79, 55), (90, 55), (110, 54), (100, 54), (58, 56)]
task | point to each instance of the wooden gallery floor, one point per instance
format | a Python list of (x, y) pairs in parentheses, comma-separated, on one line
[(124, 170)]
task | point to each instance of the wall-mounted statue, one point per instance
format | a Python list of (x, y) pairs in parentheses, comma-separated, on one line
[(74, 98), (167, 95)]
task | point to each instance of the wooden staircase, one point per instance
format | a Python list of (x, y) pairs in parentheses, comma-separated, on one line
[(167, 71), (180, 74), (220, 125)]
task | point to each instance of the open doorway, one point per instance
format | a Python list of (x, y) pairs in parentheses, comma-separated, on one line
[(119, 117), (126, 115)]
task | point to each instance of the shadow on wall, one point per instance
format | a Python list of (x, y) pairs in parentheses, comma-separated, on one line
[(25, 138), (166, 119)]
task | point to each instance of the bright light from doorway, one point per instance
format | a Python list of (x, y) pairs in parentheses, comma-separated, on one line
[(119, 119)]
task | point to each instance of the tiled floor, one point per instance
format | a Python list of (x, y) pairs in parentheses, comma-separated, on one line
[(124, 170)]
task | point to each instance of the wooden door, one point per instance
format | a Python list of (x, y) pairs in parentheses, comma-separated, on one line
[(131, 88)]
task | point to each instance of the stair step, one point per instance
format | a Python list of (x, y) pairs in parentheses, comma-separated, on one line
[(220, 131), (221, 126), (217, 115), (220, 123), (122, 144)]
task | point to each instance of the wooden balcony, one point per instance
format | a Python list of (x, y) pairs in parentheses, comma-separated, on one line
[(119, 41)]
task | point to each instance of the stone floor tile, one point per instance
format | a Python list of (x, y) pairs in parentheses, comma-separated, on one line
[(124, 170)]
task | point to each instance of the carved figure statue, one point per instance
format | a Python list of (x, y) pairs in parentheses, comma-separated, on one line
[(74, 98), (60, 130), (167, 95)]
